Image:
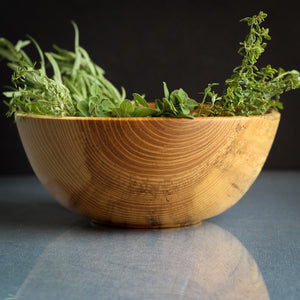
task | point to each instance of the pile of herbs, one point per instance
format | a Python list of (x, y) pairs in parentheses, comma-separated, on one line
[(78, 86)]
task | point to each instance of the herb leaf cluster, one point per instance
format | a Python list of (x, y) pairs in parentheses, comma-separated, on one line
[(253, 91), (78, 87)]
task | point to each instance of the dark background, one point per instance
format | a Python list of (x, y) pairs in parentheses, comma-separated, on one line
[(140, 44)]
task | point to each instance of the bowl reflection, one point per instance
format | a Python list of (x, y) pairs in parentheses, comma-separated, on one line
[(199, 262)]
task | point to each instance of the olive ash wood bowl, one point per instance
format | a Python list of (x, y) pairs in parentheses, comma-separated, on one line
[(147, 172)]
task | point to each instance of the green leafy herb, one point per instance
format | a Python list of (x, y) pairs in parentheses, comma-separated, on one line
[(253, 91), (78, 86)]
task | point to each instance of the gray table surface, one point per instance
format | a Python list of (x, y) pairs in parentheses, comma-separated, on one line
[(252, 251)]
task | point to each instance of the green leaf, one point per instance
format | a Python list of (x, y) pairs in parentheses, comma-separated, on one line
[(118, 112), (184, 109), (7, 55), (107, 105), (143, 112), (78, 57), (191, 103), (183, 95), (10, 94), (21, 44), (95, 90), (43, 70), (76, 65), (140, 99), (267, 37), (169, 106), (180, 100), (123, 93), (109, 88), (177, 100), (182, 115), (158, 105), (166, 91), (65, 54), (245, 19), (80, 82), (87, 60), (56, 70), (100, 113), (94, 99), (72, 88), (127, 106), (10, 48), (173, 97), (83, 107), (34, 107), (279, 105), (295, 73), (76, 40)]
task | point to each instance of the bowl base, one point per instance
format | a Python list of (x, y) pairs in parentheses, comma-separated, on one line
[(98, 224)]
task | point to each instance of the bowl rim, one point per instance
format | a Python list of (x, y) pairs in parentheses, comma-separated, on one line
[(147, 119)]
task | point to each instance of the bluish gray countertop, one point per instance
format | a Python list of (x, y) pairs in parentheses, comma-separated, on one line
[(252, 251)]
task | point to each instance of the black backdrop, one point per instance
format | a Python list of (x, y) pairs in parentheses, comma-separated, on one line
[(140, 44)]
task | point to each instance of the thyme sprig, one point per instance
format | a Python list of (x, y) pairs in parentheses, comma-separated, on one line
[(78, 86), (253, 91)]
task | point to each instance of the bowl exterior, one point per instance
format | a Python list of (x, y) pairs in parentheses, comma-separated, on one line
[(147, 172)]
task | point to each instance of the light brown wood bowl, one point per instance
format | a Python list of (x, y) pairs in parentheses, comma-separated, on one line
[(147, 172)]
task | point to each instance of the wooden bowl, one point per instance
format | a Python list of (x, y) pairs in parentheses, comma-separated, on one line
[(147, 172)]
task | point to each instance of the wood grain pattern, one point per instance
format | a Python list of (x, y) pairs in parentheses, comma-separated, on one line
[(147, 172)]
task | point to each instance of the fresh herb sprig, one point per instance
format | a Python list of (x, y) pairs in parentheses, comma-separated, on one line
[(253, 91), (78, 86), (74, 82)]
